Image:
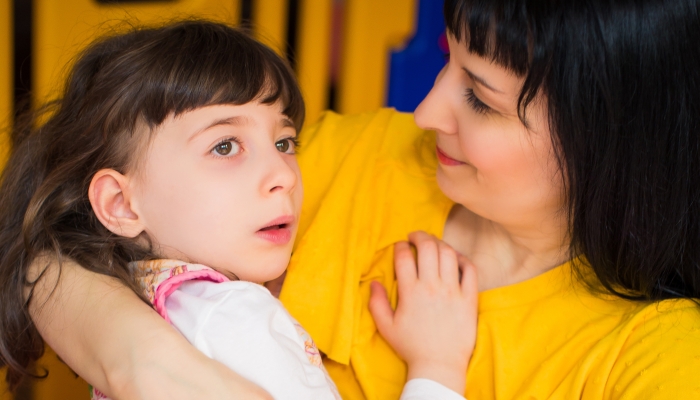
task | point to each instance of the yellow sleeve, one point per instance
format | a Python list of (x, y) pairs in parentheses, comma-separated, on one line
[(369, 180), (339, 159), (660, 359)]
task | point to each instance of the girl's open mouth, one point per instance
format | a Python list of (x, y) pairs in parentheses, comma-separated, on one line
[(278, 231), (273, 227)]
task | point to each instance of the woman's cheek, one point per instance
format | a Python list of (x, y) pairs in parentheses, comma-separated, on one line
[(481, 152)]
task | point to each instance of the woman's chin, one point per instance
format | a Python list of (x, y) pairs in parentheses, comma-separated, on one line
[(449, 187)]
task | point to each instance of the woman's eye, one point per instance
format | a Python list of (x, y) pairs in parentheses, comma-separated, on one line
[(226, 147), (475, 103), (287, 145)]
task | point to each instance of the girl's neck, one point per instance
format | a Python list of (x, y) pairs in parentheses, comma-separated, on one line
[(504, 255)]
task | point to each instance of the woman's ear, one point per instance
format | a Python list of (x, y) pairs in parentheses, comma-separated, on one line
[(110, 198)]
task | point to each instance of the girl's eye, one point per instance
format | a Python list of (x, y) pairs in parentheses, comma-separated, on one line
[(287, 145), (475, 103), (227, 147)]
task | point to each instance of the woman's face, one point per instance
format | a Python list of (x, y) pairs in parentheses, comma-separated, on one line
[(488, 160)]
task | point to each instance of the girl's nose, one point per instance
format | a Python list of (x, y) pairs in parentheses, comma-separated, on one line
[(436, 111), (281, 174)]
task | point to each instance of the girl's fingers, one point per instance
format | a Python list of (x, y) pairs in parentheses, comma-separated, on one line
[(469, 281), (428, 259), (449, 268), (405, 266), (380, 309)]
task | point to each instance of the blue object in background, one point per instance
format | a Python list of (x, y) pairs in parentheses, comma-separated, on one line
[(414, 68)]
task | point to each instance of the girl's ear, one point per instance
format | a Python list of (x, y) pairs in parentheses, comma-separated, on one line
[(110, 197)]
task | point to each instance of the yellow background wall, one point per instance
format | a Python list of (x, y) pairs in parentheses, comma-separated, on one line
[(6, 77), (372, 28), (62, 28), (313, 54), (270, 23), (6, 61)]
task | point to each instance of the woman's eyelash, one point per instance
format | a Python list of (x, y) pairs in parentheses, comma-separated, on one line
[(475, 103)]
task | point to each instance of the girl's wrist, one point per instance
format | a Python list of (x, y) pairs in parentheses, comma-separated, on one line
[(452, 377)]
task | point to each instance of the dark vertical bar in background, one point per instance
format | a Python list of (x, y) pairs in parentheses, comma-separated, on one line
[(246, 13), (292, 23), (336, 44), (22, 10)]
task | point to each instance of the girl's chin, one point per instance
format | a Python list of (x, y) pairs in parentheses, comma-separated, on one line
[(272, 271)]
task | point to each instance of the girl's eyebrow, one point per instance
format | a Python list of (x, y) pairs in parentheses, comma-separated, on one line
[(239, 120), (287, 123)]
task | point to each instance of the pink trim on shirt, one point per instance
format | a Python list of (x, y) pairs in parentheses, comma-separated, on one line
[(167, 287)]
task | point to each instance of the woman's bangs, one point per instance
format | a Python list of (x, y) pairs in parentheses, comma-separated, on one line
[(493, 29)]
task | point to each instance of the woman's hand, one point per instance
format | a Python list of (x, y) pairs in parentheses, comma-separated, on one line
[(111, 338), (434, 325)]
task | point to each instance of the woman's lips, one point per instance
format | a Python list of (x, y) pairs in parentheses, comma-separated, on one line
[(277, 231), (444, 159)]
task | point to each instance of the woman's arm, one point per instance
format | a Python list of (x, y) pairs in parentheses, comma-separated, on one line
[(434, 325), (116, 342)]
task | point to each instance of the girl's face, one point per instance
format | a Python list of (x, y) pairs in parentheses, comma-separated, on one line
[(220, 186), (488, 160)]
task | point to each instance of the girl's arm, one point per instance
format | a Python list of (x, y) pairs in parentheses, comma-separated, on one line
[(116, 342), (434, 325)]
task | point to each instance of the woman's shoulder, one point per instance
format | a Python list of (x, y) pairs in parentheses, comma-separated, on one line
[(353, 125), (336, 139), (366, 163), (659, 355), (673, 324), (600, 347)]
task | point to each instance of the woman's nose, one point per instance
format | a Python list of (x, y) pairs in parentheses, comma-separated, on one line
[(436, 111)]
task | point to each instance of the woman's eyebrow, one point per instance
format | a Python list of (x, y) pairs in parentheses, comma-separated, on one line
[(239, 120), (480, 80)]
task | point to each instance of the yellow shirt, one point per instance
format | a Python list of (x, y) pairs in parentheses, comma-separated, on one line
[(369, 180)]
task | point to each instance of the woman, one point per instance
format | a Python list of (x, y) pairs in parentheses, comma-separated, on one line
[(565, 154)]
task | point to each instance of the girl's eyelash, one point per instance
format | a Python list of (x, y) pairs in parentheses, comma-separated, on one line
[(294, 141), (232, 139), (294, 144), (475, 103)]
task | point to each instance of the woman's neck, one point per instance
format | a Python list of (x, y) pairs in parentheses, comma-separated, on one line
[(504, 255)]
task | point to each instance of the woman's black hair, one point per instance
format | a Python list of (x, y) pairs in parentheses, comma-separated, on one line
[(117, 86), (622, 82)]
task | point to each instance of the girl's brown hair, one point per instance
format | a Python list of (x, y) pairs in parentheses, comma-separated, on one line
[(117, 84)]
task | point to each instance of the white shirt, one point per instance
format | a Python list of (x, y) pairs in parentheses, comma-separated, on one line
[(243, 326)]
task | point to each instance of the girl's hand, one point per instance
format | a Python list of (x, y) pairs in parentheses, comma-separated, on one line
[(434, 325)]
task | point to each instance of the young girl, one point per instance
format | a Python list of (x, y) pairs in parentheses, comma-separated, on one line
[(169, 164)]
